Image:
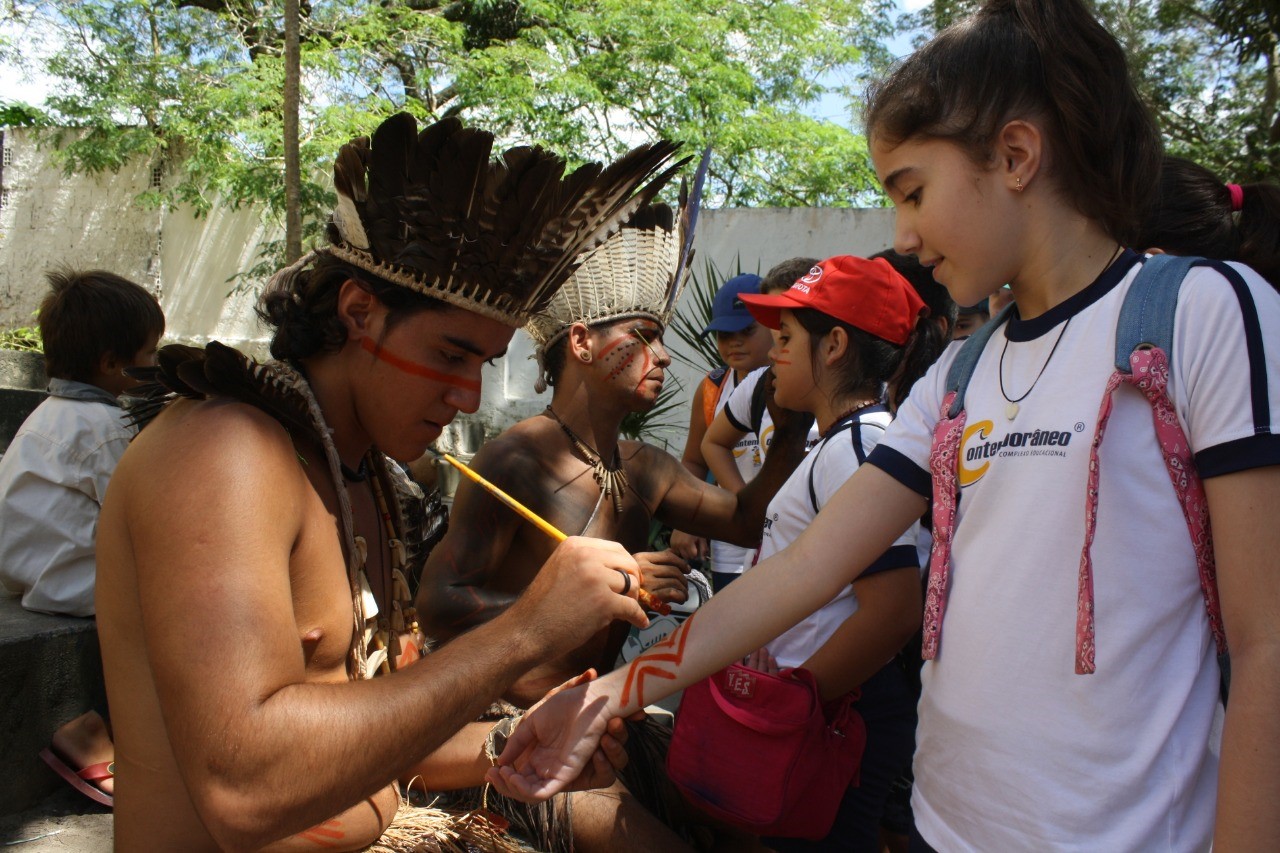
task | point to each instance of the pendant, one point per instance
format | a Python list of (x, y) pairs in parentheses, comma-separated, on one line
[(1011, 410)]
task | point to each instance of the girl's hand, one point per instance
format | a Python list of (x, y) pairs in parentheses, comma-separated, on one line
[(689, 546), (611, 758), (552, 745), (761, 661), (665, 575)]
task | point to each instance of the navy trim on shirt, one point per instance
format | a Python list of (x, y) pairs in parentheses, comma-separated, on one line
[(1018, 329), (739, 427), (902, 469), (1243, 454), (1253, 345), (897, 557)]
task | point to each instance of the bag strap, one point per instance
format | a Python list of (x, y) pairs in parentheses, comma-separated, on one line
[(712, 387), (1149, 310), (854, 426), (962, 368)]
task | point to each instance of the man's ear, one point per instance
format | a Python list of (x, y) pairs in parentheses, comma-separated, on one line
[(1019, 153), (357, 308), (580, 343)]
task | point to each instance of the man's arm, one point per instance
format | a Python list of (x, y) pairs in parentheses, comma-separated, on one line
[(1242, 507), (457, 590), (705, 510), (264, 753)]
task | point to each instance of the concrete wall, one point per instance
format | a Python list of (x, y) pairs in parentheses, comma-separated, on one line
[(50, 218)]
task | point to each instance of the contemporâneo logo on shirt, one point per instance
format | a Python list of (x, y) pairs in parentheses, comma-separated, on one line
[(978, 446)]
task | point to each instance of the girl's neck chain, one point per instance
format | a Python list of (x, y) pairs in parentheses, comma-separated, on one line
[(1011, 407), (848, 413), (611, 478)]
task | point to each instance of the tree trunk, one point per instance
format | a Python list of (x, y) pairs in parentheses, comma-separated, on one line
[(292, 170)]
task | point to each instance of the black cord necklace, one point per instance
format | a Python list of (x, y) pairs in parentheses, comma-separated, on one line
[(1011, 405), (611, 478), (359, 475)]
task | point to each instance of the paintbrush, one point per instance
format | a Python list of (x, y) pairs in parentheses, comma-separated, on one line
[(646, 598)]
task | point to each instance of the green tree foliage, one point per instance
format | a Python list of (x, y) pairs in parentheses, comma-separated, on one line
[(1210, 69), (199, 83)]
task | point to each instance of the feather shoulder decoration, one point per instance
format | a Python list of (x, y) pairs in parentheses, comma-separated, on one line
[(435, 212)]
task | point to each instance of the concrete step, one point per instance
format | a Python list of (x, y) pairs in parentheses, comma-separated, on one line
[(50, 673)]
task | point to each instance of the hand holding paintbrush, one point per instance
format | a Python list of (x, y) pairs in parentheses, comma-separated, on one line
[(646, 599)]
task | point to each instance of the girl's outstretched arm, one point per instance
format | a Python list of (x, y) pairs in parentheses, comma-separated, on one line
[(863, 519), (1242, 508)]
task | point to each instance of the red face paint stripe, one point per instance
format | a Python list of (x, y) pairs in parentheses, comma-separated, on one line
[(614, 344), (414, 369)]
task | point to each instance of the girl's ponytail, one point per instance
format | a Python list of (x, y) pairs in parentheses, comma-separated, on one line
[(922, 349), (1259, 228)]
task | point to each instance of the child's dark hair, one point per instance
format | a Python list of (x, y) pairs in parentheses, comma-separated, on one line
[(93, 313), (870, 361), (305, 314), (1192, 214), (1050, 61), (782, 275), (941, 305)]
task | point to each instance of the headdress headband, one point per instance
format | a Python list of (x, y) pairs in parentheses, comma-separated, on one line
[(432, 212)]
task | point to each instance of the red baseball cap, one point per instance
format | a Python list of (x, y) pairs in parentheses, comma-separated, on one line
[(867, 294)]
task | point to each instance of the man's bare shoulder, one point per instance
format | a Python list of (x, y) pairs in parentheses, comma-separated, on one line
[(525, 449), (200, 444)]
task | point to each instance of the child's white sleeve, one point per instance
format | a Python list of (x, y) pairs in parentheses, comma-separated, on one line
[(738, 407), (1225, 376)]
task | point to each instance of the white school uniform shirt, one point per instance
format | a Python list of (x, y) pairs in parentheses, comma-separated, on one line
[(1015, 751), (820, 475), (53, 478)]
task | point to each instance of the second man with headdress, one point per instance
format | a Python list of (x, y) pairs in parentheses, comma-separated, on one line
[(599, 345)]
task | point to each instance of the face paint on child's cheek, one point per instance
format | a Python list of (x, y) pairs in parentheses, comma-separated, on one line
[(781, 360), (413, 368)]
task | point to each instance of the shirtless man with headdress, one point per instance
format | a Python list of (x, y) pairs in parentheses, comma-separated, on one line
[(251, 549), (600, 345)]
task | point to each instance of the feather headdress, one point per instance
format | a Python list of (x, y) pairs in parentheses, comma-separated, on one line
[(434, 212), (639, 271)]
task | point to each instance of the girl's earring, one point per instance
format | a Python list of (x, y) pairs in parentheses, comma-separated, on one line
[(1018, 183)]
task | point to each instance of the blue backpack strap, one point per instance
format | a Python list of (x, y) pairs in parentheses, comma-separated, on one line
[(1149, 309), (970, 351)]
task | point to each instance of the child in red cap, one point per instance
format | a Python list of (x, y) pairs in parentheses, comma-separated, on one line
[(843, 331)]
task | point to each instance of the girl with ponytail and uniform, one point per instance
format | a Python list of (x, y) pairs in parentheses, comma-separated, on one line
[(1073, 618), (1195, 213)]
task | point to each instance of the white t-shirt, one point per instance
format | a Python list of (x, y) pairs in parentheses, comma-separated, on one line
[(749, 454), (1014, 750), (53, 478), (820, 474)]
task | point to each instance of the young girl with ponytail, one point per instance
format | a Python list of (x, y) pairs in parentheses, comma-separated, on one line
[(1071, 692), (1195, 213)]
